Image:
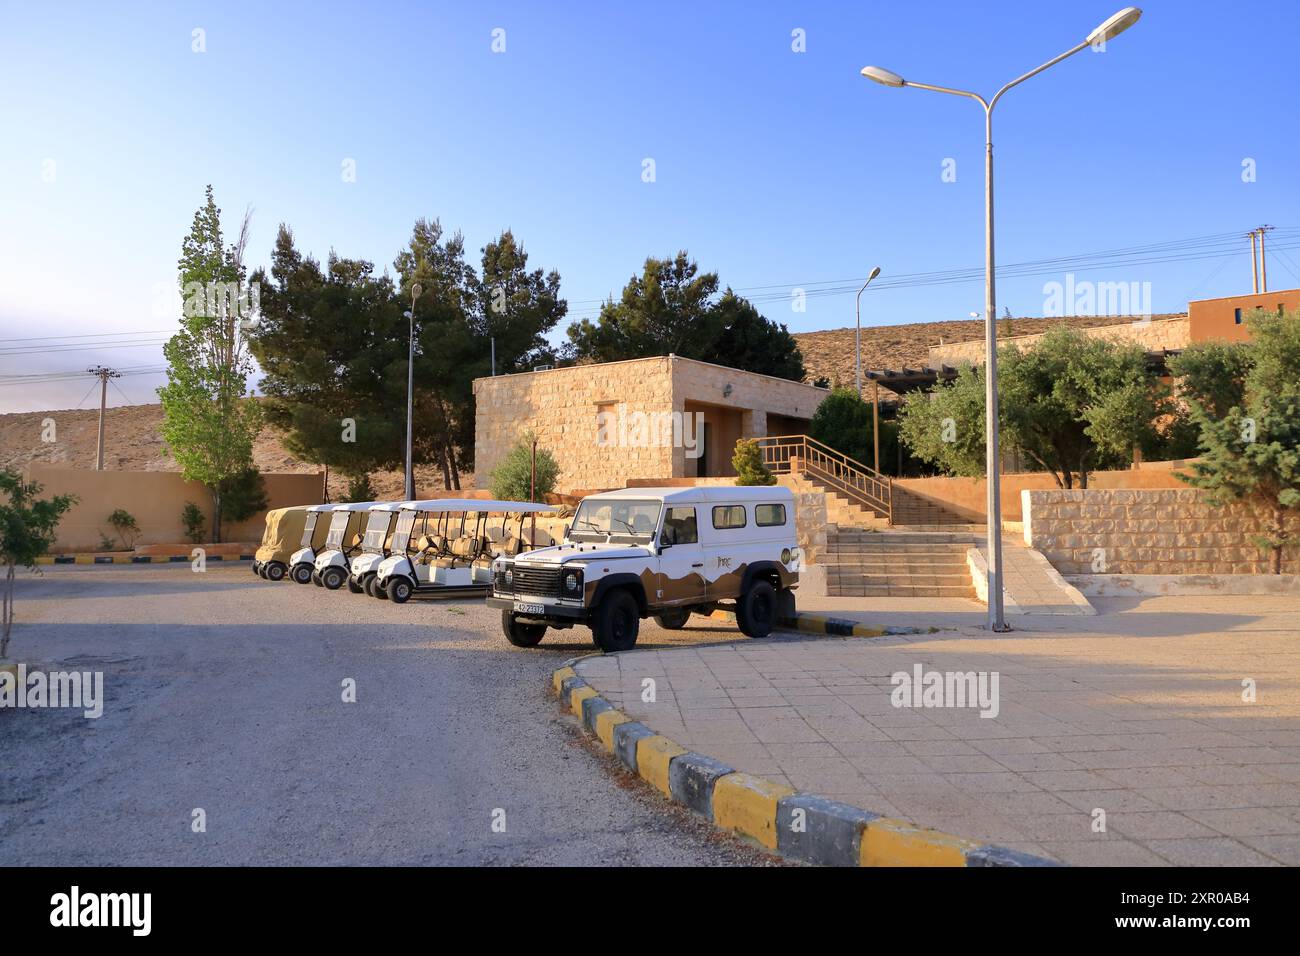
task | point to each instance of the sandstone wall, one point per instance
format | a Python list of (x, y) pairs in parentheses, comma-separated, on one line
[(1153, 335), (1146, 532)]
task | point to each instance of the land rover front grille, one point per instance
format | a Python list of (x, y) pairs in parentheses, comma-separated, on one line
[(542, 582)]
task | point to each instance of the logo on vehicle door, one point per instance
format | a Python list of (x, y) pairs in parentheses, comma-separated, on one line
[(724, 562)]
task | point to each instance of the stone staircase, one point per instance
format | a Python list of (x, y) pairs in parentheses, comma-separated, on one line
[(864, 563), (913, 511)]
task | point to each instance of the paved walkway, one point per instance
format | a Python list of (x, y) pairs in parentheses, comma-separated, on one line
[(1030, 585), (1136, 713)]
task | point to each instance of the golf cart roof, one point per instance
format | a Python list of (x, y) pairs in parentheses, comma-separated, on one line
[(720, 494), (324, 507), (393, 505), (439, 505), (356, 505)]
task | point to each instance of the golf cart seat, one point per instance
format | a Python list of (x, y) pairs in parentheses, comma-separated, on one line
[(430, 547), (463, 551)]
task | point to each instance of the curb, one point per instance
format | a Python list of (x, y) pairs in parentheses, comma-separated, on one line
[(811, 623), (131, 558), (798, 826)]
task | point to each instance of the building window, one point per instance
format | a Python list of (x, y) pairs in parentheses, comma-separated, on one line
[(769, 516), (1236, 316), (728, 516), (680, 527)]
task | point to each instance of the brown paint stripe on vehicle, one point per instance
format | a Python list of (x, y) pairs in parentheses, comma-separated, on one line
[(799, 826)]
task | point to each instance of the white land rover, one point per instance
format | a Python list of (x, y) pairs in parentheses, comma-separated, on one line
[(656, 552)]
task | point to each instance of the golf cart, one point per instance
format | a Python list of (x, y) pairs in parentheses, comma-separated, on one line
[(313, 538), (341, 543), (283, 532), (430, 561), (375, 546)]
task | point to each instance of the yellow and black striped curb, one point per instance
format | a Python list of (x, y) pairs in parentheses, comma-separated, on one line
[(798, 826), (813, 623), (133, 558)]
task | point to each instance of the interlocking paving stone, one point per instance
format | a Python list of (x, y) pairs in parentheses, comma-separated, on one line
[(1136, 711)]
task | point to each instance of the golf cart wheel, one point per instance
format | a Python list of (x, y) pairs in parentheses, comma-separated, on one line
[(675, 619), (274, 571), (616, 623), (315, 578), (368, 584), (399, 590), (756, 610), (353, 586), (260, 572), (521, 635), (257, 567), (301, 573), (332, 578)]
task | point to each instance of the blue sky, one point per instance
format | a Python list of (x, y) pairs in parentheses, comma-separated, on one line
[(780, 170)]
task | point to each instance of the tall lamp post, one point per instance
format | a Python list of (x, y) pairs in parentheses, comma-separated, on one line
[(857, 341), (1111, 28), (410, 391)]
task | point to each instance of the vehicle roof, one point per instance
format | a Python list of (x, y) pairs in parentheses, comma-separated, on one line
[(719, 494), (323, 507), (437, 505), (355, 505)]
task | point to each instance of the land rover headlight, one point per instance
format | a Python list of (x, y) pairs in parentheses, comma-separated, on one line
[(572, 583)]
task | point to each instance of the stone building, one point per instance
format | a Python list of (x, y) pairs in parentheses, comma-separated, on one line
[(615, 422)]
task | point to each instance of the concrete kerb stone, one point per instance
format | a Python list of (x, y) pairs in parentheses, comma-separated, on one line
[(799, 826), (820, 831), (691, 778)]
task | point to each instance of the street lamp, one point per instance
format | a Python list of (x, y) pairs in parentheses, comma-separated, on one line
[(410, 390), (1108, 30), (857, 342)]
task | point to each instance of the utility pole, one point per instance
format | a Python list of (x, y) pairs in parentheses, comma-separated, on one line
[(1254, 263), (1263, 259), (103, 374)]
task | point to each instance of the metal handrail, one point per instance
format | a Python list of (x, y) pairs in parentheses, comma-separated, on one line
[(866, 486)]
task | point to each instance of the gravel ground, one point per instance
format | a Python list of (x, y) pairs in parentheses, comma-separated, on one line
[(224, 692)]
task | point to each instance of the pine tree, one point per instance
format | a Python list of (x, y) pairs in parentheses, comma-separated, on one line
[(749, 464), (1252, 454)]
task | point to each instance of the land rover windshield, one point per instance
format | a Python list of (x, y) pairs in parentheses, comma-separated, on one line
[(621, 520), (376, 531), (308, 529)]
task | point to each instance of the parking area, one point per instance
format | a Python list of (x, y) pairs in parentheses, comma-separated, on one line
[(224, 694)]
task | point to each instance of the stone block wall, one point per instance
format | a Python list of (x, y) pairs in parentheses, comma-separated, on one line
[(1147, 531), (562, 407), (1152, 335)]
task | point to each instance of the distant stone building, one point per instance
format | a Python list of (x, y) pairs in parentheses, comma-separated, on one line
[(615, 422)]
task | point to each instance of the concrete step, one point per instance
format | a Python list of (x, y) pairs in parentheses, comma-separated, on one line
[(899, 591)]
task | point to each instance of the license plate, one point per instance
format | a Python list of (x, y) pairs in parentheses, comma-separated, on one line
[(522, 608)]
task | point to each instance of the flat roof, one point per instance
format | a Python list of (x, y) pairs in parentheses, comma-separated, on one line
[(473, 505), (671, 357), (708, 493)]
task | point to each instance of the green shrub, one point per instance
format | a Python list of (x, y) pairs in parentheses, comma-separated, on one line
[(509, 480), (195, 522), (124, 524), (360, 488), (749, 464)]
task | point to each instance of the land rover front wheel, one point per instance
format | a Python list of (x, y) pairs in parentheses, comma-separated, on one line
[(301, 573), (399, 590), (675, 619), (273, 571), (521, 635), (617, 621), (756, 610)]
